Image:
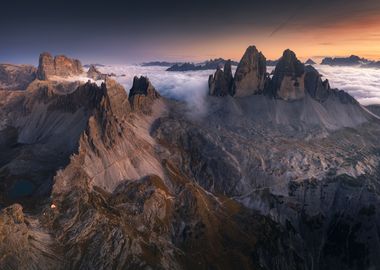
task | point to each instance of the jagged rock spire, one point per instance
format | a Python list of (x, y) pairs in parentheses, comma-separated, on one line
[(95, 74), (220, 84), (250, 74), (314, 85), (142, 94), (288, 78)]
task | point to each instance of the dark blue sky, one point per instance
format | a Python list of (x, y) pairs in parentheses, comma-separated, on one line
[(134, 31)]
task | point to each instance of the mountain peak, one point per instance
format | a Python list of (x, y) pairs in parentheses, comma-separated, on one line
[(310, 62), (95, 74), (142, 94), (59, 66), (250, 74), (221, 83), (288, 77)]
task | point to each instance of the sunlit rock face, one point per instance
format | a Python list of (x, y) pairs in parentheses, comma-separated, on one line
[(250, 74), (220, 84), (288, 82), (60, 66)]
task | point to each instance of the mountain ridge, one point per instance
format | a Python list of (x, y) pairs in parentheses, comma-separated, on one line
[(133, 181)]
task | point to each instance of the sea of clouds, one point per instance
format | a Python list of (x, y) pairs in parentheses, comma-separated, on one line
[(191, 87), (362, 83)]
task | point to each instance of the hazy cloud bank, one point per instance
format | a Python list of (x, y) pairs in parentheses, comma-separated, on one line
[(362, 83)]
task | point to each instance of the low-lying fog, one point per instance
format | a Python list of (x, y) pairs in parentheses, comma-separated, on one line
[(362, 83)]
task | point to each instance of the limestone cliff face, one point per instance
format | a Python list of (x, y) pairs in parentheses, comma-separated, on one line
[(250, 74), (16, 77), (220, 84), (291, 80), (60, 66), (314, 85), (288, 80), (142, 95)]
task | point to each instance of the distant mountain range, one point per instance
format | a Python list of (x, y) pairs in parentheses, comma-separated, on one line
[(95, 65), (207, 65), (352, 60), (159, 63), (272, 62), (275, 62)]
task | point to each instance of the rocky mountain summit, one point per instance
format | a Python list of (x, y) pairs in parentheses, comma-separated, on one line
[(95, 74), (250, 74), (289, 77), (221, 83), (291, 80), (142, 94), (310, 62), (19, 77), (282, 176), (59, 65)]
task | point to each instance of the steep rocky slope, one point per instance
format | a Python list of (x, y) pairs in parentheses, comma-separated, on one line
[(16, 77), (107, 198), (250, 75)]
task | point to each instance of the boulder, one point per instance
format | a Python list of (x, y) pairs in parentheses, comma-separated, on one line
[(250, 74)]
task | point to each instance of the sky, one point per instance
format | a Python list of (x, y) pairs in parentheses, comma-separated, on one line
[(117, 32)]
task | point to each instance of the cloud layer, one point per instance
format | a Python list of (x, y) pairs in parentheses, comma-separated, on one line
[(191, 87), (362, 83)]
